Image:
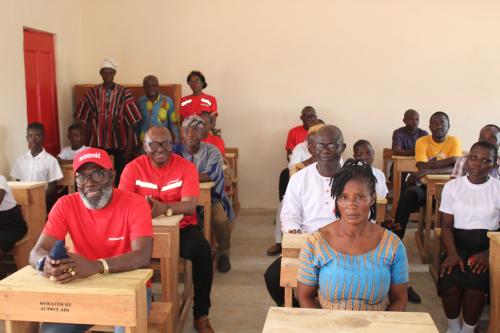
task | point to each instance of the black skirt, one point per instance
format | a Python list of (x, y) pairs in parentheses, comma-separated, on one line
[(12, 228), (467, 243)]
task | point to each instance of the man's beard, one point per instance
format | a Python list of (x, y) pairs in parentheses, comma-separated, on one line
[(101, 202)]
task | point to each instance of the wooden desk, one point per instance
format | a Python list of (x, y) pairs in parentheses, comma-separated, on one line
[(423, 233), (494, 269), (170, 225), (68, 177), (381, 210), (31, 197), (205, 200), (293, 320), (115, 299), (400, 164)]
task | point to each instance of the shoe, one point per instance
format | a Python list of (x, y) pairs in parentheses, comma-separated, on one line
[(223, 264), (413, 296), (202, 325), (274, 249)]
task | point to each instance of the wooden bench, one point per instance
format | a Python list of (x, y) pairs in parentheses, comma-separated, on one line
[(232, 155), (205, 200), (31, 197), (291, 245), (437, 247)]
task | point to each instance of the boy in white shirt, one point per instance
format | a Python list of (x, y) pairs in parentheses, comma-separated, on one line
[(363, 151), (38, 165), (76, 137)]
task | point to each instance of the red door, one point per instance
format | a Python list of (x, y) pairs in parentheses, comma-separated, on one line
[(41, 95)]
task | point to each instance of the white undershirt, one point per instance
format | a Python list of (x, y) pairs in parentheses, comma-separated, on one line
[(8, 201)]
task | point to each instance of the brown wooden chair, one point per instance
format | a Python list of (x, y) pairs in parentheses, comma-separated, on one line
[(387, 154), (437, 246), (21, 252)]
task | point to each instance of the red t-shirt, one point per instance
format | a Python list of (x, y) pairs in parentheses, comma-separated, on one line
[(295, 136), (101, 233), (197, 104), (176, 179), (217, 142)]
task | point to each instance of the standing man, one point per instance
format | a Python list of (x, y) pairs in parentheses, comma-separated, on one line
[(111, 230), (208, 161), (170, 185), (156, 110), (110, 113)]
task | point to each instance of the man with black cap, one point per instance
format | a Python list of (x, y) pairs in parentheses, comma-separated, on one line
[(111, 230)]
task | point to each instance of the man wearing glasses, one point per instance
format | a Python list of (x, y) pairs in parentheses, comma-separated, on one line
[(170, 184), (111, 230)]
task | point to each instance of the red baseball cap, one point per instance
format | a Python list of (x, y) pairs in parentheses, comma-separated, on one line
[(92, 155)]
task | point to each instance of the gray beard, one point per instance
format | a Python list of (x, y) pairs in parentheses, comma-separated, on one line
[(105, 198)]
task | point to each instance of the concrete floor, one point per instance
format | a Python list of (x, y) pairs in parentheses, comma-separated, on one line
[(239, 298)]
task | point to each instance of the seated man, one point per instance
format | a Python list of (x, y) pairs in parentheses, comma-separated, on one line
[(170, 185), (434, 154), (111, 230), (208, 137), (208, 161), (76, 137), (404, 138), (489, 133), (308, 204), (156, 110), (37, 165)]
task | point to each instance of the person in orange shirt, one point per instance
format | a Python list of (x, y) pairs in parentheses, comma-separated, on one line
[(209, 137)]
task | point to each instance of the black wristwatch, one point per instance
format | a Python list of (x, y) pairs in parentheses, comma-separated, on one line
[(41, 263)]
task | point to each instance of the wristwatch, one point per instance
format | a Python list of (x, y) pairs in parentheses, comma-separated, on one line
[(41, 263), (169, 212)]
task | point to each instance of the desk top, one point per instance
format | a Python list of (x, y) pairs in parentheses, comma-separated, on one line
[(27, 185), (230, 155), (28, 279), (398, 157), (206, 185), (438, 177), (381, 201), (66, 166), (167, 221), (294, 320), (294, 241)]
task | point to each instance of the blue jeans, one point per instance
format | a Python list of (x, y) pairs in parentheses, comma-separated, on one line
[(82, 328)]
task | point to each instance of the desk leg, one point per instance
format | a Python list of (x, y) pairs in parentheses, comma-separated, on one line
[(396, 189), (142, 312), (207, 222), (380, 213), (20, 327), (428, 223)]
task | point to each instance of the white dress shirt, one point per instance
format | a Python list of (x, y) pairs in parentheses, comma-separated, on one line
[(68, 154), (308, 204), (299, 154), (8, 201), (42, 167)]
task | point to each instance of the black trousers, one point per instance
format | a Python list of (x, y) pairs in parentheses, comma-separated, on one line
[(283, 183), (272, 278), (411, 199), (12, 228), (194, 247)]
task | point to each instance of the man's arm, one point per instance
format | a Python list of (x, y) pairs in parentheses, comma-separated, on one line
[(446, 164), (186, 206)]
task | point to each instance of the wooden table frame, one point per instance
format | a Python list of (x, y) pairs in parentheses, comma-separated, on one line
[(205, 200), (494, 268), (119, 299), (68, 177), (31, 197), (400, 164), (423, 233)]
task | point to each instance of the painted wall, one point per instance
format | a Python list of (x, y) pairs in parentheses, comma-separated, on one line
[(59, 17), (359, 63)]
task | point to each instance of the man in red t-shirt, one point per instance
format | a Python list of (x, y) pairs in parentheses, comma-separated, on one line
[(170, 184), (299, 133), (111, 229), (209, 137)]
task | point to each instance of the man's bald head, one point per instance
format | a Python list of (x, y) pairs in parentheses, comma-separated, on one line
[(308, 115), (331, 132), (329, 144), (411, 120), (157, 133), (158, 145)]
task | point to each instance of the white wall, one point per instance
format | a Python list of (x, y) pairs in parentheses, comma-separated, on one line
[(60, 17), (360, 63)]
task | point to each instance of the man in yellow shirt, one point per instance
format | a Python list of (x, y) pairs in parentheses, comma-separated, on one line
[(434, 154)]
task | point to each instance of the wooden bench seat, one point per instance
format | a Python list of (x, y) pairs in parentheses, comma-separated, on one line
[(21, 252)]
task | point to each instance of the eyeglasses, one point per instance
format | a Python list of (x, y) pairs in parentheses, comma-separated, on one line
[(483, 161), (322, 146), (344, 199), (97, 176), (155, 145)]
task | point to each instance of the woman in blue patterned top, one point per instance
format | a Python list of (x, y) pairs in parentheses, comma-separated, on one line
[(353, 264)]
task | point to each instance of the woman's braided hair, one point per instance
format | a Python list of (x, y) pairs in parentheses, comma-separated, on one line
[(354, 169)]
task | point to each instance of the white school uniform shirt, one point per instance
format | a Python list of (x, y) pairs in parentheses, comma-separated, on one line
[(473, 206), (381, 186), (69, 154), (299, 154), (8, 201), (308, 204), (42, 167)]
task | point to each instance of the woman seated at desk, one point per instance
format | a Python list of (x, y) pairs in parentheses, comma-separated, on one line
[(353, 264), (470, 207)]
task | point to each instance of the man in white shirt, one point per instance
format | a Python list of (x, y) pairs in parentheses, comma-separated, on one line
[(38, 165), (308, 205)]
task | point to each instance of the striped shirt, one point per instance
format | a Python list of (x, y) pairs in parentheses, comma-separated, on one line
[(353, 282), (108, 112)]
